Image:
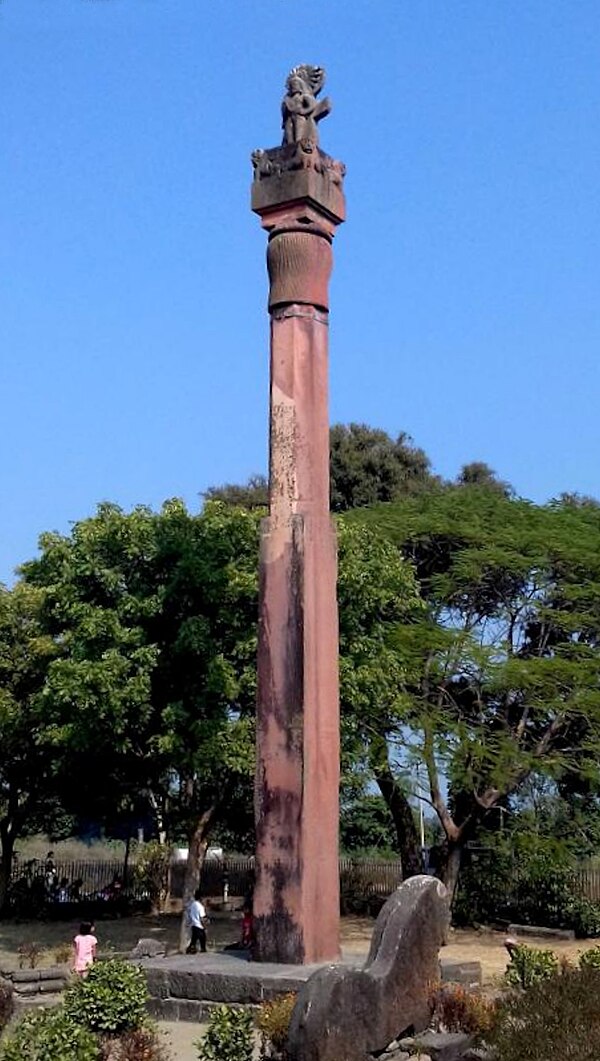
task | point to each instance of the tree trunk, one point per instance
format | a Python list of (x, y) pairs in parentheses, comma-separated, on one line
[(404, 822), (451, 870), (126, 860), (7, 842), (198, 843), (159, 815)]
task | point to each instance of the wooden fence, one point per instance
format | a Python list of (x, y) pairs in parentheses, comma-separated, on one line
[(588, 881), (371, 876)]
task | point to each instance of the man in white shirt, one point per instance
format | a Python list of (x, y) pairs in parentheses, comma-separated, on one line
[(196, 919)]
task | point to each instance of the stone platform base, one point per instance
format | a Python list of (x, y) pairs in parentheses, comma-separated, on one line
[(187, 987)]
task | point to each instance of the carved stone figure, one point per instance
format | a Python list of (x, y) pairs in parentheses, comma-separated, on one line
[(351, 1013), (300, 108)]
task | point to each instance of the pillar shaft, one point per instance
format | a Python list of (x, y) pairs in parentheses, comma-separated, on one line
[(296, 898)]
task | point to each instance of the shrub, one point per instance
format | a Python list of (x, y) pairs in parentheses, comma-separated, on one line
[(49, 1035), (557, 1017), (7, 1003), (63, 953), (529, 965), (590, 959), (29, 954), (111, 999), (455, 1009), (273, 1023), (585, 918), (229, 1036), (152, 872), (142, 1044), (524, 879)]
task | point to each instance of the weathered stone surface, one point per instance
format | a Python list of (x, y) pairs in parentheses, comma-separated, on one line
[(55, 972), (342, 1013), (441, 1046), (297, 192), (23, 976), (299, 175), (541, 931), (52, 987), (214, 978), (300, 109), (394, 1052), (31, 987), (469, 974), (148, 948)]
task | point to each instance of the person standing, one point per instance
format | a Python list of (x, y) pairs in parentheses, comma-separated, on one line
[(84, 949), (196, 919)]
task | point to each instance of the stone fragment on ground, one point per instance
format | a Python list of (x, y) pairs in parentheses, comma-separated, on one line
[(148, 948), (441, 1046), (541, 932)]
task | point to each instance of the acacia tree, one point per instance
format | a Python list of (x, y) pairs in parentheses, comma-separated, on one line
[(507, 653), (377, 592)]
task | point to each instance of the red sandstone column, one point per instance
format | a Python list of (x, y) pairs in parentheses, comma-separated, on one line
[(297, 193)]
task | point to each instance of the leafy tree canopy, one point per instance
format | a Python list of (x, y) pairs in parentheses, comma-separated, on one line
[(505, 658), (366, 465)]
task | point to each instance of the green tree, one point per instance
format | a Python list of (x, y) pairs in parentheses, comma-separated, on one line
[(377, 593), (506, 652), (366, 465), (478, 473), (154, 614), (252, 494), (28, 754), (365, 825)]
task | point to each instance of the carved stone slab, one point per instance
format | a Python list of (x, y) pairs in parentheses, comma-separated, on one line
[(298, 172), (344, 1014)]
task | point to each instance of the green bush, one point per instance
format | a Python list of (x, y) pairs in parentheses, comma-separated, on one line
[(530, 965), (49, 1035), (590, 959), (110, 1000), (556, 1018), (229, 1036), (530, 881), (585, 918)]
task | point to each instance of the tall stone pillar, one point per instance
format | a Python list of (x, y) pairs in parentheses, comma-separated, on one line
[(297, 192)]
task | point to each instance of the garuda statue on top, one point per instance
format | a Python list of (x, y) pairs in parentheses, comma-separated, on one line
[(300, 108)]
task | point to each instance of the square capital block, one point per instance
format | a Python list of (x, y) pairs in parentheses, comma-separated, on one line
[(295, 175)]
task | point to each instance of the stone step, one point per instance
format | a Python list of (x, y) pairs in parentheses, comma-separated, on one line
[(39, 987), (187, 1009), (24, 1003)]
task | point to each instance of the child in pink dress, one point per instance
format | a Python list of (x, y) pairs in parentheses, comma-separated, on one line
[(84, 948)]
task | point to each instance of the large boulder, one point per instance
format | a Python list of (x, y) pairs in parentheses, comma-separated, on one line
[(344, 1013)]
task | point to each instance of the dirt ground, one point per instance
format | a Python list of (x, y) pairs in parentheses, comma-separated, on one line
[(121, 934)]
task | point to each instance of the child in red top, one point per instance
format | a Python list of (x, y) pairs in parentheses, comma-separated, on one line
[(247, 927), (84, 948)]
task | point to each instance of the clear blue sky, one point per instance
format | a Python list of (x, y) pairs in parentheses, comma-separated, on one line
[(466, 293)]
